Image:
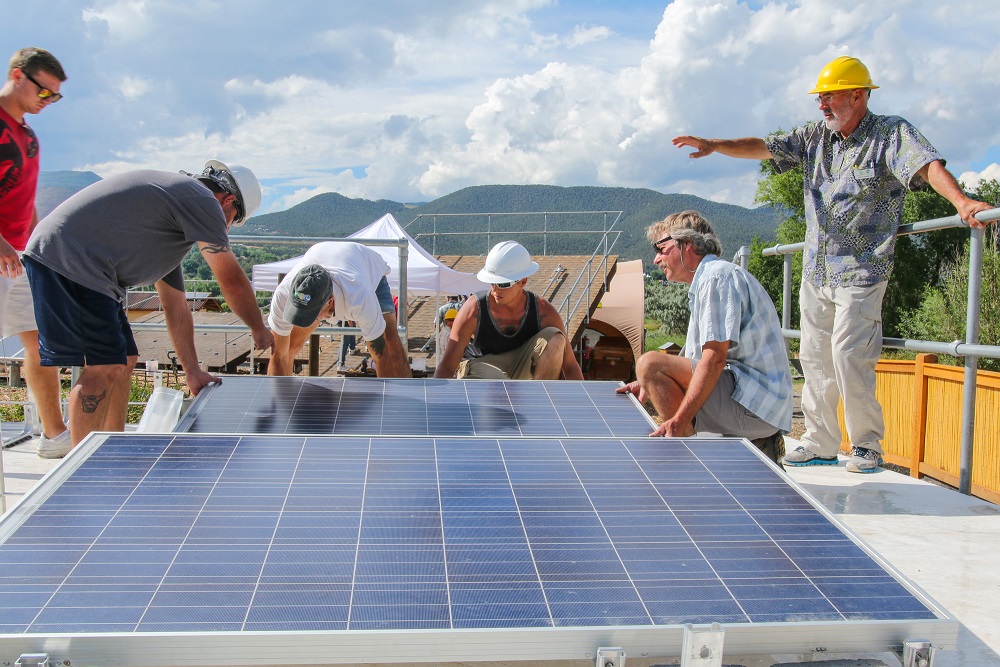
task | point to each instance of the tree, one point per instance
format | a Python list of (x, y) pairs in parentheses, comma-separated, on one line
[(667, 303), (782, 191), (941, 311)]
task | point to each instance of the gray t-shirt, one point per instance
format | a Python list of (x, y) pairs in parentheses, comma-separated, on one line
[(128, 230)]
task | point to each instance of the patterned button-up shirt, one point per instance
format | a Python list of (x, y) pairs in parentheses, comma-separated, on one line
[(728, 304), (854, 189)]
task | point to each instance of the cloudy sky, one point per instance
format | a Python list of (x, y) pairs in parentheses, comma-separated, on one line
[(409, 101)]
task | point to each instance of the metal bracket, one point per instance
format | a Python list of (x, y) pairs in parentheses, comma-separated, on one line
[(33, 660), (918, 653), (610, 656), (703, 646)]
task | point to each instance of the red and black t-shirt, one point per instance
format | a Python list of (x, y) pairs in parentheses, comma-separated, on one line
[(18, 181)]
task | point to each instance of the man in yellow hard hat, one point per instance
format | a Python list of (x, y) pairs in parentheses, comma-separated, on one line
[(857, 168)]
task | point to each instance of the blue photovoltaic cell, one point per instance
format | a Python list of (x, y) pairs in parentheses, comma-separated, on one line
[(371, 406), (202, 533)]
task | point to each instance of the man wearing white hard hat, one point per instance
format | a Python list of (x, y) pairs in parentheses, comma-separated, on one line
[(857, 168), (515, 333), (125, 231)]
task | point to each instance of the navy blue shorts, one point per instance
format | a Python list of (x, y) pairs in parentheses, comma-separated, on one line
[(76, 325), (384, 296)]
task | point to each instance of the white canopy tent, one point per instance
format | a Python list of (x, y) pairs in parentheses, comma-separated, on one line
[(426, 276)]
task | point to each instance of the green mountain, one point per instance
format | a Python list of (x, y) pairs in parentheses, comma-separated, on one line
[(329, 214), (332, 215)]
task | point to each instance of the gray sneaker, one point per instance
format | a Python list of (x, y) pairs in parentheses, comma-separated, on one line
[(864, 460), (800, 456), (55, 448)]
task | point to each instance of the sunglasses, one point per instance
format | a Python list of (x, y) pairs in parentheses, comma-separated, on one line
[(32, 141), (44, 92), (656, 246), (506, 285)]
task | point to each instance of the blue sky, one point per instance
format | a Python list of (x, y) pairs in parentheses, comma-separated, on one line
[(410, 101)]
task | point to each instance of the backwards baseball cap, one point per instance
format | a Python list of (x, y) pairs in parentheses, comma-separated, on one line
[(311, 289)]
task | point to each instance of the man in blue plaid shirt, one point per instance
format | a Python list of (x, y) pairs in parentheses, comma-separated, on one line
[(734, 377)]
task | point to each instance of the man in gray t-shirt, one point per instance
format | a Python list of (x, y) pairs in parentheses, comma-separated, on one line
[(126, 231)]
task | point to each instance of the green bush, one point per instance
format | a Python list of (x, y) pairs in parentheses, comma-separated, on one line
[(667, 303)]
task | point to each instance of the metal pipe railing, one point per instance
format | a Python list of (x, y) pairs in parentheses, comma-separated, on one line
[(971, 349), (603, 247)]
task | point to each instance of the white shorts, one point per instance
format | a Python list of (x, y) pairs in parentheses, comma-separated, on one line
[(17, 312)]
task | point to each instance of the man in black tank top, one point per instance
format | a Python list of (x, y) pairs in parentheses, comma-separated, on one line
[(515, 334)]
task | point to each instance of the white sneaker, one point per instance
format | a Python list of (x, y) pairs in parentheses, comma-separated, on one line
[(55, 448)]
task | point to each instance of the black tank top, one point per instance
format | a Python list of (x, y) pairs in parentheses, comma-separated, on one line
[(490, 340)]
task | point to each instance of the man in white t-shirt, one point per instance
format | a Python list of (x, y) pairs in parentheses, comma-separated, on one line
[(345, 281)]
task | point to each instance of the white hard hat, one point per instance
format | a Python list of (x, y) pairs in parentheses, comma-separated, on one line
[(238, 181), (507, 262)]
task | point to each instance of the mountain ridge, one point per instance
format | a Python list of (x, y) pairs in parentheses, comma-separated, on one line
[(567, 212)]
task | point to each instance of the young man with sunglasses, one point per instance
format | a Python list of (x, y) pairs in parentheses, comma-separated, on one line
[(515, 333), (857, 166), (125, 231), (34, 77), (733, 378)]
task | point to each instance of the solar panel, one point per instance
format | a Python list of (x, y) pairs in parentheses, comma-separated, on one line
[(271, 549), (370, 406)]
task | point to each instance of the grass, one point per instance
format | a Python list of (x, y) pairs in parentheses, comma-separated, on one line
[(654, 339)]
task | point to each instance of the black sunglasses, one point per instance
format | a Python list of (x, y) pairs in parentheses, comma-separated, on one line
[(505, 285), (43, 92), (32, 141), (656, 246)]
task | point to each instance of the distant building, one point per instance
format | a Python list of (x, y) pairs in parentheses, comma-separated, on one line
[(138, 304)]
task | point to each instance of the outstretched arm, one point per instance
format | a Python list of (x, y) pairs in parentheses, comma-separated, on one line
[(945, 185), (180, 325), (461, 333), (750, 148), (237, 290)]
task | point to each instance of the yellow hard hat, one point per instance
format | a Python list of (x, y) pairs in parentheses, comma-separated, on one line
[(451, 314), (843, 73)]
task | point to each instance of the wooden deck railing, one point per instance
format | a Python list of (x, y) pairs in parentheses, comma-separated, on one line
[(922, 405)]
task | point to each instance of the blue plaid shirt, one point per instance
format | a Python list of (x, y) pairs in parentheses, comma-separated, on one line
[(728, 304), (854, 189)]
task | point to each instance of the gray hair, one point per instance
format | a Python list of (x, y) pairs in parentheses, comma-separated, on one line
[(687, 227)]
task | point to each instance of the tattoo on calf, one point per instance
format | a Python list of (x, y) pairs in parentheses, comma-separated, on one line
[(91, 401), (378, 345)]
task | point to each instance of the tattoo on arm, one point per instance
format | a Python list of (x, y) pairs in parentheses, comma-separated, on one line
[(378, 345), (216, 248), (91, 401)]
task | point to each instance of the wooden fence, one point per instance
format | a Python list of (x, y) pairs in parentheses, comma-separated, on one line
[(922, 405)]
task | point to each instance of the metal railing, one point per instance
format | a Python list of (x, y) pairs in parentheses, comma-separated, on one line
[(970, 349), (571, 303)]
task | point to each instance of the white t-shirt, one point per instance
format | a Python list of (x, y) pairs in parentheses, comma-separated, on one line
[(355, 270)]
